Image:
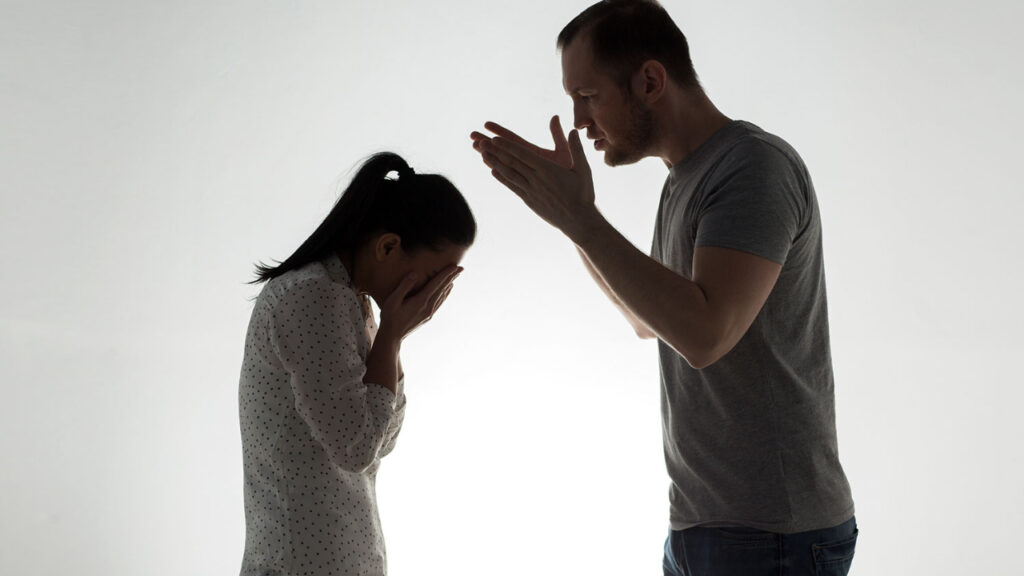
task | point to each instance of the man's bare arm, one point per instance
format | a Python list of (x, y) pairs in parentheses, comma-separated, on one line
[(701, 318), (639, 327)]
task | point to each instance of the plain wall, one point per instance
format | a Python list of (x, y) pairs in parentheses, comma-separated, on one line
[(150, 152)]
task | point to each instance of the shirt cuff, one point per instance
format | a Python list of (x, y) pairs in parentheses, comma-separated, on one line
[(377, 395)]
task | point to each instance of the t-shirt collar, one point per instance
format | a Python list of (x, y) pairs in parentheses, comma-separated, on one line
[(708, 146)]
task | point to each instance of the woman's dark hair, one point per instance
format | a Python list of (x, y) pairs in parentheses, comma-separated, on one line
[(424, 210), (625, 33)]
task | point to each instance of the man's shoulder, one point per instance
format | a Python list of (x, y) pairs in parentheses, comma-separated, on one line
[(739, 154), (750, 143)]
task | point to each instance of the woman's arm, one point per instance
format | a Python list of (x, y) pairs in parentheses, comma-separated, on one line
[(391, 437), (382, 363), (316, 333)]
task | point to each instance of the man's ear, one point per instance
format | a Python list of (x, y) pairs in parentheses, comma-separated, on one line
[(650, 81), (388, 246)]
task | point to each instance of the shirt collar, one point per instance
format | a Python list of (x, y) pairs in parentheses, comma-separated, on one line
[(336, 270)]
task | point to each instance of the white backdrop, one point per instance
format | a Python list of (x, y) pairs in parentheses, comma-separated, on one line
[(150, 152)]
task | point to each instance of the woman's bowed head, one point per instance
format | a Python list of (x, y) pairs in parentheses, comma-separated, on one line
[(400, 235)]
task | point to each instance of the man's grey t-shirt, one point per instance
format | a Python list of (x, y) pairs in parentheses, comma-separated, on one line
[(750, 440)]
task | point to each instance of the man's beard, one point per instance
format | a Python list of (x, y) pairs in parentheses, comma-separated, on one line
[(638, 140)]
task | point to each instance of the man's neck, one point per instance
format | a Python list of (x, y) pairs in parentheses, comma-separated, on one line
[(689, 120)]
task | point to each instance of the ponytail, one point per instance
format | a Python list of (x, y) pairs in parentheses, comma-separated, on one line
[(424, 210)]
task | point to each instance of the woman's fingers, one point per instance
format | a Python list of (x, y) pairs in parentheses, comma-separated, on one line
[(433, 299), (441, 297), (434, 304), (402, 290), (406, 310), (443, 278), (426, 297)]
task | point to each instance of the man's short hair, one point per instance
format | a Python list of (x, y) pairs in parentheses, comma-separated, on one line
[(625, 33)]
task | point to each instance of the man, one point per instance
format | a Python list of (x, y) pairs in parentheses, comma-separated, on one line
[(733, 290)]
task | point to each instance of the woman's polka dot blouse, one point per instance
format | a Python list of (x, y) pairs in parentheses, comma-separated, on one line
[(313, 433)]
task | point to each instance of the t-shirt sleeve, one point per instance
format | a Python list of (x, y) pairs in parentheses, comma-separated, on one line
[(756, 204), (314, 330)]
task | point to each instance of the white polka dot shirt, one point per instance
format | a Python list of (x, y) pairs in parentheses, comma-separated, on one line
[(313, 433)]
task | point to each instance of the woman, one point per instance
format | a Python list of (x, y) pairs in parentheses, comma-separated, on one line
[(321, 396)]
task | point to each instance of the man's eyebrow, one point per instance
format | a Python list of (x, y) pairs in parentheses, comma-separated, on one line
[(578, 90)]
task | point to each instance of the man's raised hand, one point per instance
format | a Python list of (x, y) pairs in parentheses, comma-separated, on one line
[(556, 184), (560, 155)]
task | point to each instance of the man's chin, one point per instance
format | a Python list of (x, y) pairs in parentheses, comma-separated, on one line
[(618, 158)]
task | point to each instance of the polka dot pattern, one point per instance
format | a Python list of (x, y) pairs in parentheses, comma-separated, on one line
[(313, 433)]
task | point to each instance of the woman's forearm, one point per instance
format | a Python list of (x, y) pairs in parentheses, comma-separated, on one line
[(382, 366)]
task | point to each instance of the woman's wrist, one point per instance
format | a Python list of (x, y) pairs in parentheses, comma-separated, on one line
[(382, 362), (387, 337)]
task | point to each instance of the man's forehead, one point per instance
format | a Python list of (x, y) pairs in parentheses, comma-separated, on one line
[(577, 66)]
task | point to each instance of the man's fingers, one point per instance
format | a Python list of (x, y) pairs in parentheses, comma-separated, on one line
[(502, 131), (501, 165), (507, 158), (478, 140), (557, 135), (515, 155), (518, 164), (507, 183), (508, 176), (510, 135), (579, 158), (493, 157)]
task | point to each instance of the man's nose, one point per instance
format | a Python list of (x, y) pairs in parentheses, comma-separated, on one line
[(580, 119)]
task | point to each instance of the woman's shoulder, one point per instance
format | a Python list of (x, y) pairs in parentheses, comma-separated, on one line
[(311, 272), (310, 282)]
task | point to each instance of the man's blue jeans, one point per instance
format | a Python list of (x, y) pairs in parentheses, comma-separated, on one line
[(704, 551)]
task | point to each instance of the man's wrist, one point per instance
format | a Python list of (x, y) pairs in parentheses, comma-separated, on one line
[(587, 229)]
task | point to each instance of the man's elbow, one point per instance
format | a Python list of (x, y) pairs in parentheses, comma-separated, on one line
[(643, 332), (700, 355)]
